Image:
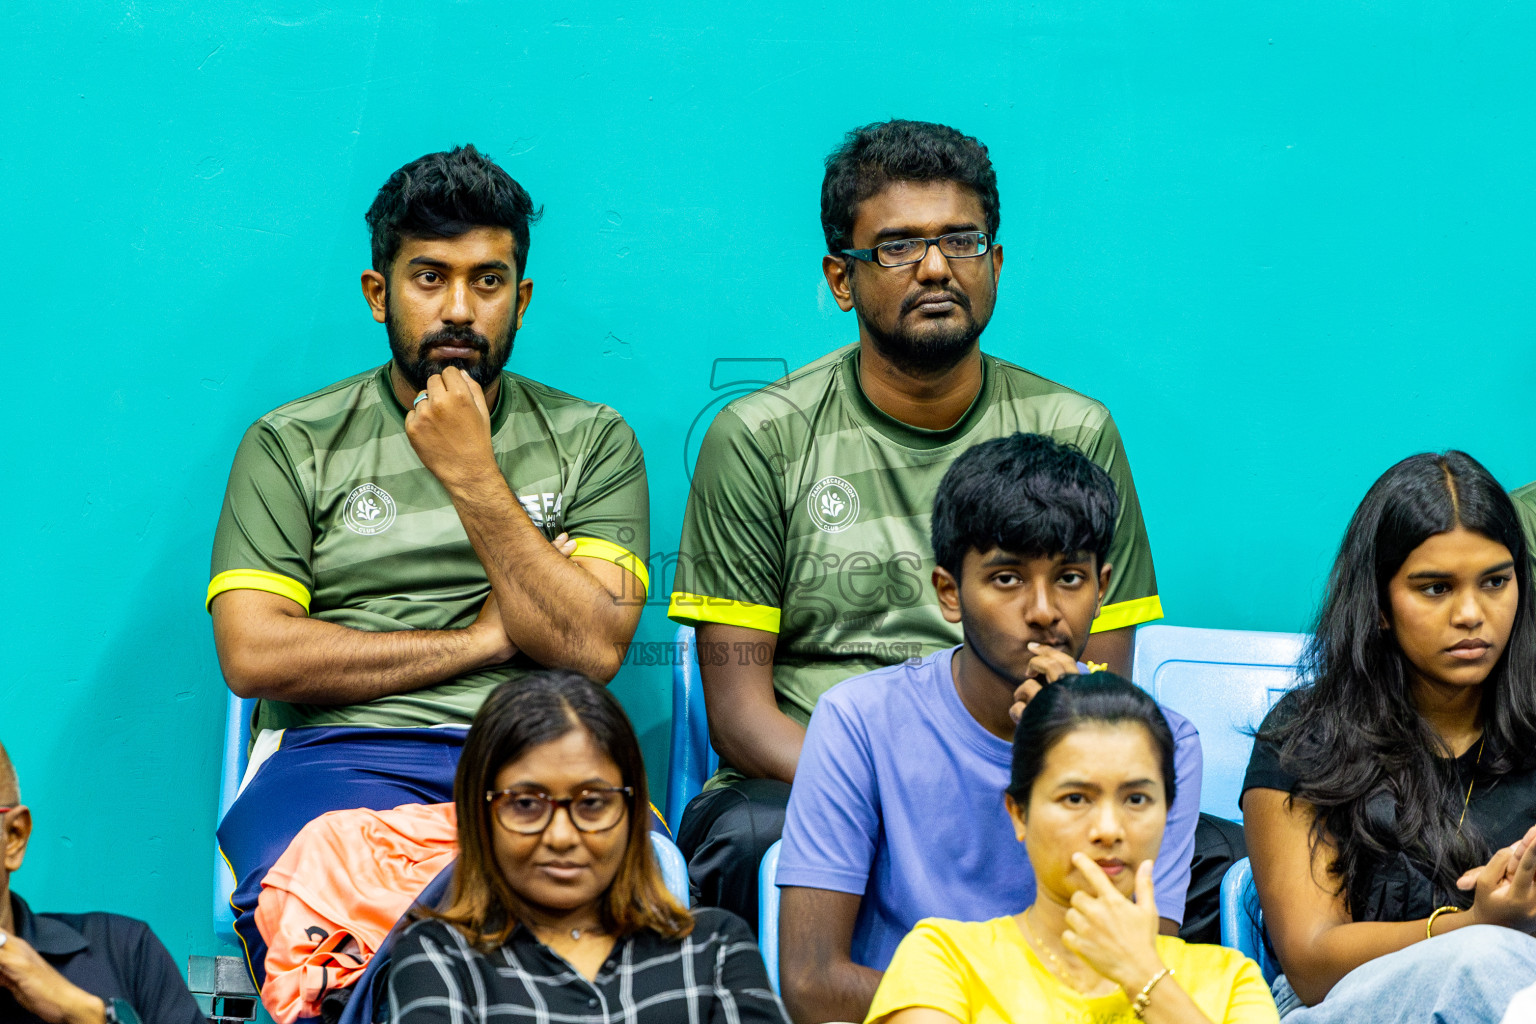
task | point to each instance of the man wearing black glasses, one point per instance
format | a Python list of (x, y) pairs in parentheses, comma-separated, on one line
[(805, 554), (76, 968)]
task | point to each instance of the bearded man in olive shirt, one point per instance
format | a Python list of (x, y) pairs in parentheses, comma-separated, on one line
[(805, 557), (395, 545)]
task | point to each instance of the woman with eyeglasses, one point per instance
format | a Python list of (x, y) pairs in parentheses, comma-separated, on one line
[(557, 910), (1091, 785), (1390, 800)]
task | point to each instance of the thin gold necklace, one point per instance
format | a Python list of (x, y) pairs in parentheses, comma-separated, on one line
[(1475, 765), (1034, 941)]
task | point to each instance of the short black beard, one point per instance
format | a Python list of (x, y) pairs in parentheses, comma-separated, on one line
[(928, 355), (416, 370)]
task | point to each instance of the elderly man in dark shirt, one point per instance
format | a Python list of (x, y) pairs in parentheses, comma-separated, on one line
[(76, 968)]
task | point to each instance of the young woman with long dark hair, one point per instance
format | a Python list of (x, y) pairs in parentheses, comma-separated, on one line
[(1390, 801), (557, 910)]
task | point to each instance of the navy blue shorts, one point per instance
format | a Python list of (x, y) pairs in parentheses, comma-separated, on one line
[(329, 768), (321, 769)]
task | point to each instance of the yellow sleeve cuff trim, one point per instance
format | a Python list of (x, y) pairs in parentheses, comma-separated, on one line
[(593, 547), (258, 579), (1128, 613), (691, 609)]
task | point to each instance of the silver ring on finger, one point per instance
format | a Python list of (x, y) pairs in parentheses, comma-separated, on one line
[(419, 399)]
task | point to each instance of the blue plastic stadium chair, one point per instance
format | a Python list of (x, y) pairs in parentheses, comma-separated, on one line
[(1242, 920), (674, 870), (237, 741), (768, 913), (1224, 681), (692, 760)]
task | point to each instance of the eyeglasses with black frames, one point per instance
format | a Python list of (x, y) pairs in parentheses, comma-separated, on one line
[(957, 245), (529, 812)]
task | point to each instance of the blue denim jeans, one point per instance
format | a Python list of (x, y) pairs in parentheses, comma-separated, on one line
[(1467, 976)]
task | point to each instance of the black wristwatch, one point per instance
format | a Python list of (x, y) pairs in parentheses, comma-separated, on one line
[(119, 1012)]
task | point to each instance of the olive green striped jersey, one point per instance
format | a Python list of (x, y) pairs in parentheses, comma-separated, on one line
[(809, 513), (1525, 505), (329, 505)]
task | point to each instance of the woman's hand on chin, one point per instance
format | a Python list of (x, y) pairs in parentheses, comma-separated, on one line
[(1118, 938)]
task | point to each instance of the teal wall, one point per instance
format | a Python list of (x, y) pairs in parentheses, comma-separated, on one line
[(1287, 243)]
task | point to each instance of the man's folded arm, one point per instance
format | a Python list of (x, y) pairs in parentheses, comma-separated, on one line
[(260, 595), (578, 613), (270, 648), (573, 613)]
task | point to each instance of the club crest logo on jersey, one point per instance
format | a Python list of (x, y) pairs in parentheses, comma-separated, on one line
[(833, 504), (544, 509), (369, 510)]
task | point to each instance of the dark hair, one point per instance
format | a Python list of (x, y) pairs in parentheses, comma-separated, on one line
[(443, 195), (1025, 494), (1364, 757), (518, 715), (1064, 706), (873, 157)]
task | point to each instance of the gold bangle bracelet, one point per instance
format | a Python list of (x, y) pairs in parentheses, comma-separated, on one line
[(1429, 927), (1144, 997)]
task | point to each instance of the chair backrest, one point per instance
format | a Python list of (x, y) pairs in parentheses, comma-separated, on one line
[(237, 742), (1242, 920), (691, 759), (1224, 681), (768, 913), (674, 870)]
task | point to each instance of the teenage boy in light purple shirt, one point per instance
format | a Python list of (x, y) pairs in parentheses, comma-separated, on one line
[(897, 812)]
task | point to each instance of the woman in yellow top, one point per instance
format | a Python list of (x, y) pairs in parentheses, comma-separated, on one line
[(1091, 784)]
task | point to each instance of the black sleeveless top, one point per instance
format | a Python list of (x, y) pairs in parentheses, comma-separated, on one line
[(1399, 886)]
